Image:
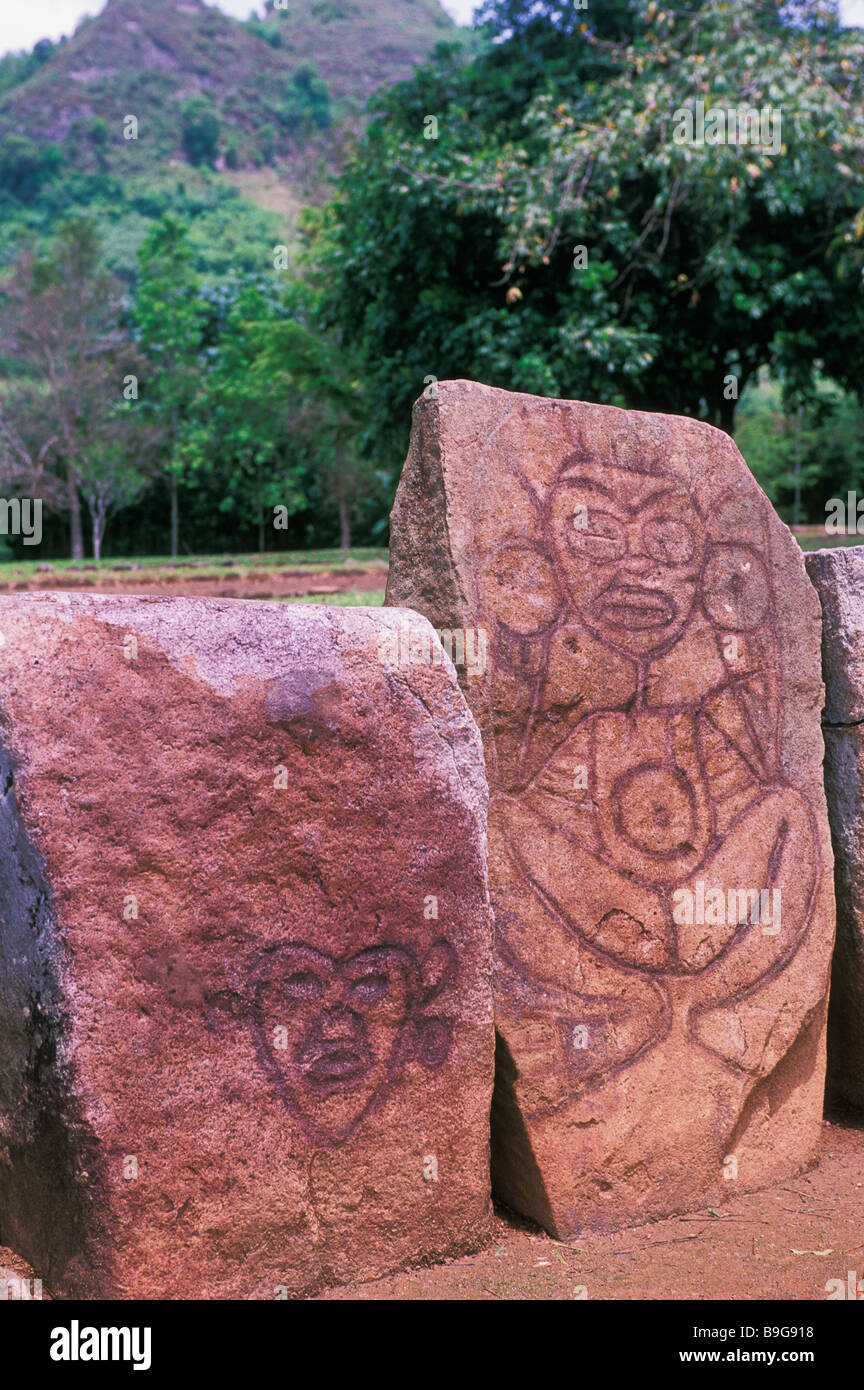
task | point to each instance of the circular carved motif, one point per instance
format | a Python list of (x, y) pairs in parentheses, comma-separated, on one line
[(655, 809)]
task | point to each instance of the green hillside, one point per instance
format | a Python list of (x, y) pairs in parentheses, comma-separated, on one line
[(208, 341), (154, 166), (270, 84), (359, 45), (174, 107)]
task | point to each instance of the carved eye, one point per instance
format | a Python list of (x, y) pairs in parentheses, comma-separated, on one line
[(669, 540), (596, 535), (303, 984), (369, 988)]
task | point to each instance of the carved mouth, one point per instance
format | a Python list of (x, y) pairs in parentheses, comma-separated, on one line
[(335, 1064), (635, 608)]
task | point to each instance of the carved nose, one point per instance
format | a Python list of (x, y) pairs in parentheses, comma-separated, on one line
[(337, 1023), (637, 554)]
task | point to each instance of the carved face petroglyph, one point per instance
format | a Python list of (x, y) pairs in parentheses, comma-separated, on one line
[(630, 548), (332, 1032)]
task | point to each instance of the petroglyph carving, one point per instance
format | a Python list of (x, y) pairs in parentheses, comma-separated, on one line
[(331, 1033), (677, 792)]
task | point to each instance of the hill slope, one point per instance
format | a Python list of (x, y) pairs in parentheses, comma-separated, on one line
[(359, 45), (149, 60)]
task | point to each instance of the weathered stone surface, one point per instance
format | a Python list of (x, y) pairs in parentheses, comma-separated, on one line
[(650, 714), (839, 579), (246, 1033)]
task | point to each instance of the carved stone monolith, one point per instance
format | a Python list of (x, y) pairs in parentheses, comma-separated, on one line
[(660, 861), (246, 1042)]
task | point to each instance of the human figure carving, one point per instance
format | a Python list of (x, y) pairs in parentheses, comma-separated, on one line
[(603, 813)]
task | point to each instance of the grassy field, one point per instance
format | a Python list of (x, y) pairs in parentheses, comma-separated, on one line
[(311, 561), (291, 576), (316, 576), (814, 538)]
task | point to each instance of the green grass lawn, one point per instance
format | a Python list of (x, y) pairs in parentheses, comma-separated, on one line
[(311, 562), (823, 542), (373, 599)]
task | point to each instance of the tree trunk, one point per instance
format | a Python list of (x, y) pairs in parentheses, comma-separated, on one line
[(99, 517), (721, 408), (796, 506), (727, 416), (175, 517), (76, 534), (344, 509), (260, 513)]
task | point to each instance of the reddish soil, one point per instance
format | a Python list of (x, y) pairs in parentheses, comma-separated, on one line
[(183, 582), (783, 1243)]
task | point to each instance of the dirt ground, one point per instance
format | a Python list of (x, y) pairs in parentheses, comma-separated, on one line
[(783, 1243), (228, 582)]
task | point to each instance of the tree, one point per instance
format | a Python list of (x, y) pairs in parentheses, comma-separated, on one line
[(277, 413), (167, 320), (200, 131), (25, 452), (802, 453), (460, 256), (117, 468), (26, 167), (329, 409), (240, 432), (16, 68), (307, 103), (60, 328)]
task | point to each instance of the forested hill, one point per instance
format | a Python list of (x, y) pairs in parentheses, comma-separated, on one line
[(266, 81), (162, 175), (240, 303)]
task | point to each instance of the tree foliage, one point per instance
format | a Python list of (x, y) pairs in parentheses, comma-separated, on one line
[(222, 397), (459, 255), (61, 331), (26, 167), (520, 212), (200, 131)]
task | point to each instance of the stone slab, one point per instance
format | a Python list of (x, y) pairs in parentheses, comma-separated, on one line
[(839, 579), (246, 1037), (650, 708)]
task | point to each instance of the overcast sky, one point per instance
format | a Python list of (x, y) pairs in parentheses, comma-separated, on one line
[(22, 22)]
